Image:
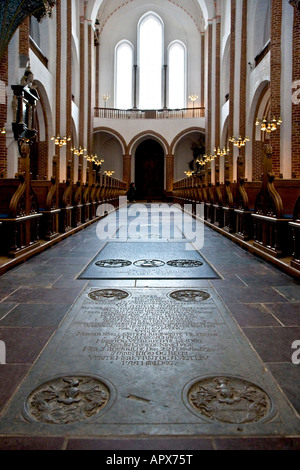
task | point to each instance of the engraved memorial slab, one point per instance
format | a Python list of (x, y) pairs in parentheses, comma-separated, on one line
[(141, 261), (177, 362)]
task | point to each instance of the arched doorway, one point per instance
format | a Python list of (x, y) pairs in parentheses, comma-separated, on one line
[(149, 170)]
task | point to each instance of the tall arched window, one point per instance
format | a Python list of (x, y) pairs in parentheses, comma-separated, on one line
[(150, 60), (177, 75), (123, 75)]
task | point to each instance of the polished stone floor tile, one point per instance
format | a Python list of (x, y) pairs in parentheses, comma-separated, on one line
[(16, 443), (273, 344), (252, 315), (35, 315), (141, 444), (44, 295), (287, 314), (10, 377), (287, 376), (258, 444), (23, 345)]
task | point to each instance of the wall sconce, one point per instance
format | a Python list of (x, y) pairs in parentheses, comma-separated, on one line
[(268, 126), (59, 141), (239, 142), (2, 130)]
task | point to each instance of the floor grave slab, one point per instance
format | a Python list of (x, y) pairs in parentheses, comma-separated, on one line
[(149, 260), (157, 362)]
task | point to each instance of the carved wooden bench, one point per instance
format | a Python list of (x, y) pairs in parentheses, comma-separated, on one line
[(247, 192), (47, 195), (274, 207), (229, 206), (295, 227), (19, 216), (66, 207)]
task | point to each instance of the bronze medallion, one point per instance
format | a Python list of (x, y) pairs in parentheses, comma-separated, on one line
[(113, 263), (67, 399), (230, 400), (189, 295), (149, 263), (108, 294), (185, 263)]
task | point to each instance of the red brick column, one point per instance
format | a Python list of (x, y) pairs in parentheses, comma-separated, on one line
[(202, 97), (24, 42), (82, 94), (243, 81), (295, 103), (217, 96), (209, 91), (58, 81), (69, 90), (3, 114), (275, 79), (229, 174)]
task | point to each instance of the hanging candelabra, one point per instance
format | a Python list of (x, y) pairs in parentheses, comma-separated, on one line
[(59, 141), (109, 173), (189, 173), (240, 142), (78, 151), (267, 125)]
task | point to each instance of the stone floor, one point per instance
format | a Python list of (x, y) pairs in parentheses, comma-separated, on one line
[(260, 305)]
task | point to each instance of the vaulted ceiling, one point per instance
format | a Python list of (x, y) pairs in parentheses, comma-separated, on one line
[(188, 7)]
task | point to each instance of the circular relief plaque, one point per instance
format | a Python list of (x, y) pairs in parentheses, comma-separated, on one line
[(149, 263), (108, 294), (68, 399), (185, 263), (188, 295), (231, 400), (113, 263)]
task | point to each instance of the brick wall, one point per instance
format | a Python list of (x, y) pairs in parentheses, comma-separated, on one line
[(275, 79), (243, 80), (217, 92), (296, 106), (231, 89), (3, 116)]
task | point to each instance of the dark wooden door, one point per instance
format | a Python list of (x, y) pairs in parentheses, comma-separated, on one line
[(149, 171)]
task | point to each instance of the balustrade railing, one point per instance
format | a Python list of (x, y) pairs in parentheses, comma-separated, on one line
[(184, 113)]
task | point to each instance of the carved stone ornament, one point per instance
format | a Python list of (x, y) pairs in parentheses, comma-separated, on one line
[(188, 295), (66, 400), (113, 263), (108, 294), (229, 400), (149, 263), (185, 263)]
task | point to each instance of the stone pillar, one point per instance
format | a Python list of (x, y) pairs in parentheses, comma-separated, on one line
[(169, 173)]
